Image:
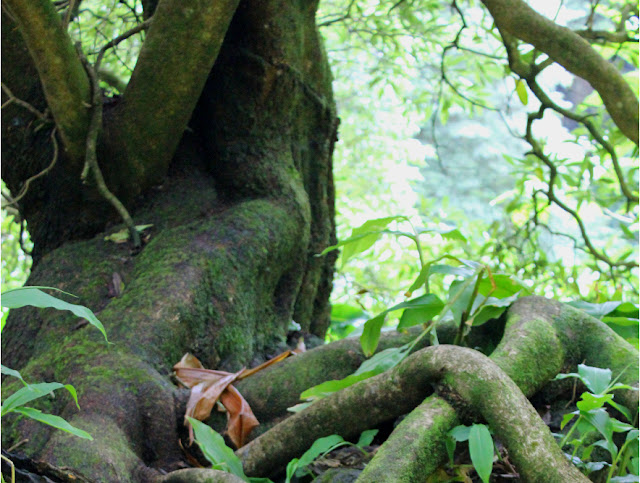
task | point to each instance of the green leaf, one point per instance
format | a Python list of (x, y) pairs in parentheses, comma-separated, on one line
[(485, 313), (601, 421), (460, 433), (383, 361), (345, 313), (505, 286), (363, 237), (371, 333), (597, 380), (481, 450), (461, 291), (366, 438), (52, 420), (215, 450), (521, 90), (12, 372), (33, 296), (595, 310), (590, 401), (566, 418), (420, 310), (329, 387), (319, 447), (32, 392)]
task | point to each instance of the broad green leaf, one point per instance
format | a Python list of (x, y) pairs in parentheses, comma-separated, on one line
[(52, 420), (319, 447), (433, 268), (505, 286), (625, 411), (566, 418), (291, 469), (461, 291), (601, 421), (33, 296), (12, 372), (215, 450), (597, 380), (420, 310), (371, 333), (626, 309), (521, 90), (383, 360), (460, 433), (329, 387), (366, 438), (345, 313), (481, 450), (485, 313), (590, 401), (595, 310), (363, 237), (34, 391), (453, 234)]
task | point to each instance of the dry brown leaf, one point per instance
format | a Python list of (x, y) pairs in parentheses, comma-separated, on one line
[(207, 387), (240, 420)]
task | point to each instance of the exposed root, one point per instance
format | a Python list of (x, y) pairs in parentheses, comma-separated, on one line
[(542, 337)]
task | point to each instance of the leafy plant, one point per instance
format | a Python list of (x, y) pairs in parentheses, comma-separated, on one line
[(474, 296), (223, 458), (15, 403), (593, 420), (481, 447)]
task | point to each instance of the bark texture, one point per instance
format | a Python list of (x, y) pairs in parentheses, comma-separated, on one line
[(238, 215)]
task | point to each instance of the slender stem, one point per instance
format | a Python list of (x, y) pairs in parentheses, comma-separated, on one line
[(465, 315)]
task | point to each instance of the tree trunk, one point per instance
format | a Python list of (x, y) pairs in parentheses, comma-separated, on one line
[(245, 205)]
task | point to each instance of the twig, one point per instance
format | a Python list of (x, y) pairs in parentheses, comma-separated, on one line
[(550, 194), (14, 100), (25, 187), (91, 158)]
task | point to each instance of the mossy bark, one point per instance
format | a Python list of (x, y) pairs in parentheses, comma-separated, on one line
[(238, 216)]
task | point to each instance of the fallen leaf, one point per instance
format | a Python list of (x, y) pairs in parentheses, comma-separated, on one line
[(207, 387), (241, 420)]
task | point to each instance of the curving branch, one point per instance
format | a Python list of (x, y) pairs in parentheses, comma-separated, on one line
[(64, 80), (575, 54), (166, 84)]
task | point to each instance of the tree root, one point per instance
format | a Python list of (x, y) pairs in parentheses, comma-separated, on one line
[(199, 475), (541, 338)]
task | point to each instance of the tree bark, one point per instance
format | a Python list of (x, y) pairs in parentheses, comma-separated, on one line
[(238, 215)]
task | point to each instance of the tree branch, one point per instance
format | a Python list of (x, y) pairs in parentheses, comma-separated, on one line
[(575, 54), (64, 81), (166, 83)]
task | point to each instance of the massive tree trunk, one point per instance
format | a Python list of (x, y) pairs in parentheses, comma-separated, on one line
[(238, 214)]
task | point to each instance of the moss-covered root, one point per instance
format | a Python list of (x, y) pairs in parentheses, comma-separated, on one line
[(416, 446), (551, 336), (473, 376), (199, 475)]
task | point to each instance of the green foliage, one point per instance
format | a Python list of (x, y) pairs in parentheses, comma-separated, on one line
[(23, 296), (594, 420), (217, 452), (474, 296), (321, 447), (224, 459), (15, 403), (481, 448)]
